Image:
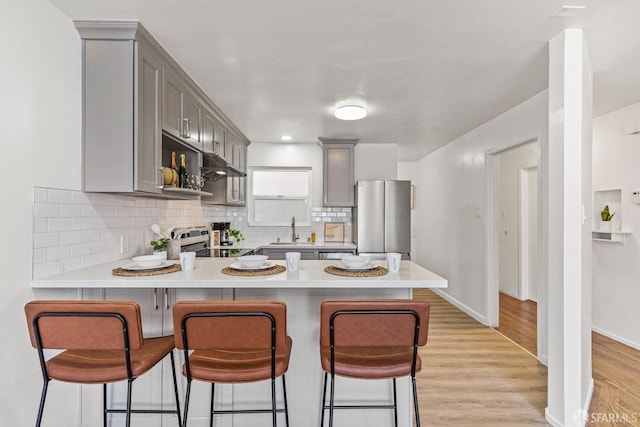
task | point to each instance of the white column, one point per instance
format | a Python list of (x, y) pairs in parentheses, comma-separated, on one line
[(569, 254)]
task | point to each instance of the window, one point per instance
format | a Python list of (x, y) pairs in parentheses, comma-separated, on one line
[(276, 194)]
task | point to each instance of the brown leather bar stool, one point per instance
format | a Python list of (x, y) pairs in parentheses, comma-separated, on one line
[(102, 343), (376, 339), (233, 342)]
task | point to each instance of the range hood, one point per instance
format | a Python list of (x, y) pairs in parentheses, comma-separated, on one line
[(214, 168)]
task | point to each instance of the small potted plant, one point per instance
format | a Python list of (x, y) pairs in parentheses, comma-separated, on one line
[(160, 246), (606, 217), (237, 235)]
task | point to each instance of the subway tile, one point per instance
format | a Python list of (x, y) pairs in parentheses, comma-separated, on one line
[(72, 264), (90, 235), (80, 198), (40, 225), (70, 210), (90, 260), (99, 199), (39, 256), (47, 210), (81, 223), (107, 211), (98, 246), (90, 210), (70, 237), (40, 195), (59, 196), (80, 249), (46, 269), (59, 224), (46, 240), (57, 253)]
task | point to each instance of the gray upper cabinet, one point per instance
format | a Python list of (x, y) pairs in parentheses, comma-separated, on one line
[(338, 171), (122, 140), (138, 107), (181, 110)]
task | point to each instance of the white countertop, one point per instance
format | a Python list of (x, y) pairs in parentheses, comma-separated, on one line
[(207, 274)]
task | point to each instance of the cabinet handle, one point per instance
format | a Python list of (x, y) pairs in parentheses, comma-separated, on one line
[(155, 298), (166, 299), (160, 169), (180, 126)]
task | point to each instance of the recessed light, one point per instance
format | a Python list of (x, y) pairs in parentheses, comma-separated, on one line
[(286, 137), (567, 11), (350, 112)]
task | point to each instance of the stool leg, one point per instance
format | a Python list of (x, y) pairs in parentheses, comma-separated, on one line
[(286, 406), (211, 409), (43, 396), (105, 410), (331, 393), (175, 389), (273, 402), (186, 402), (324, 399), (415, 400), (129, 384), (395, 404)]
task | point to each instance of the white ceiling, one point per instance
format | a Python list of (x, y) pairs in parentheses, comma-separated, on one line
[(429, 70)]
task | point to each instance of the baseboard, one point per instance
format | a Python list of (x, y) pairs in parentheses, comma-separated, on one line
[(580, 417), (511, 294), (479, 317), (616, 338)]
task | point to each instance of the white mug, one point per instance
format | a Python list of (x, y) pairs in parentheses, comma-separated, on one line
[(293, 260), (187, 260), (393, 261)]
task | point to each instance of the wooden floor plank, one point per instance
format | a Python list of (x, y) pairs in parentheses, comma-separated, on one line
[(474, 376)]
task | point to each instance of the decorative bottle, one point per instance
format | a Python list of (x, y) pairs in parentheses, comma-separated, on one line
[(183, 176)]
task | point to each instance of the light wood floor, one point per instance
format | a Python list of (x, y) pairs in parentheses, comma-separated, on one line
[(519, 322), (473, 376), (616, 397)]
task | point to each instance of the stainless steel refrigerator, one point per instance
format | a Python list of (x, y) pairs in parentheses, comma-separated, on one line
[(382, 218)]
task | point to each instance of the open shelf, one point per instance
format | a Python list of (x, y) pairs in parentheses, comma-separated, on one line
[(184, 192), (616, 236)]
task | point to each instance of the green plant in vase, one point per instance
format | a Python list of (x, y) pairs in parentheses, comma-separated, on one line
[(606, 217), (237, 235), (160, 245)]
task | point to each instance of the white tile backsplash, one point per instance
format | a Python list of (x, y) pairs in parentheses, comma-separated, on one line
[(74, 230)]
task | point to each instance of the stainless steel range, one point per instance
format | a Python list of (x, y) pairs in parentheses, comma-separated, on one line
[(198, 239)]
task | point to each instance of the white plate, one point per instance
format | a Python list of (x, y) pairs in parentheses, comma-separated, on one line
[(367, 266), (239, 266), (135, 267)]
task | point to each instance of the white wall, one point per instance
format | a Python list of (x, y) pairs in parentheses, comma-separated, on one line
[(511, 163), (615, 266), (450, 201), (40, 105), (376, 161)]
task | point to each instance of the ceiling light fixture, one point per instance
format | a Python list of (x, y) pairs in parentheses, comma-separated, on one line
[(286, 137), (350, 111)]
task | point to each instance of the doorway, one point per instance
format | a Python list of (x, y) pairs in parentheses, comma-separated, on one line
[(514, 213)]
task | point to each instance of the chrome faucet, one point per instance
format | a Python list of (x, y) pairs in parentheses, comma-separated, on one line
[(294, 236)]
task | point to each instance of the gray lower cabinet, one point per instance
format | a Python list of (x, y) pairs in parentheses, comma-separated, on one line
[(305, 253), (121, 113)]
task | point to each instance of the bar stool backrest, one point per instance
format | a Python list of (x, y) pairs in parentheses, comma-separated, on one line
[(229, 332), (84, 325), (374, 330)]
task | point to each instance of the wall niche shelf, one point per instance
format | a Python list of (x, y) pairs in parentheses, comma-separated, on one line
[(613, 199), (615, 236)]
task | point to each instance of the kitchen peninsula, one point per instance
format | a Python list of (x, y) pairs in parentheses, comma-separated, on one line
[(302, 291)]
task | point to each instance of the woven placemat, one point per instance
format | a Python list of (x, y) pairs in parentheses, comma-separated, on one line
[(266, 272), (130, 273), (377, 271)]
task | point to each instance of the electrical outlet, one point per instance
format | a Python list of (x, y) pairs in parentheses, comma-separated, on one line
[(124, 244)]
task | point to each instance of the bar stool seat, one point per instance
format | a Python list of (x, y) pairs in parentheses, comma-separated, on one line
[(233, 342), (102, 343), (372, 339)]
